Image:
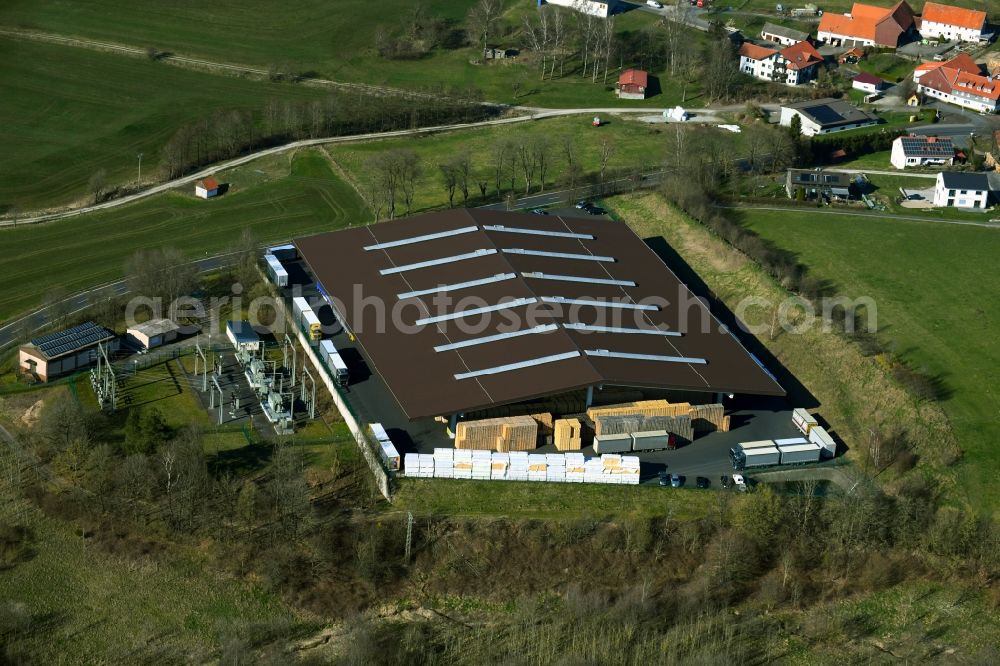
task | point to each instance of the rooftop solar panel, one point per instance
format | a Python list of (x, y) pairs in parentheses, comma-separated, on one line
[(71, 339), (823, 114)]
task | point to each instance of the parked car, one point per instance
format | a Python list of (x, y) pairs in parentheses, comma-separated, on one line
[(539, 211), (739, 482), (583, 205), (596, 210), (676, 481), (703, 482), (664, 479), (654, 4)]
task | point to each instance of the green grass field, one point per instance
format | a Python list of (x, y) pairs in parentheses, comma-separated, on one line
[(87, 606), (332, 39), (67, 112), (91, 249), (936, 308)]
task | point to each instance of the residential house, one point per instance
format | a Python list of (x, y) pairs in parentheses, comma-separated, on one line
[(824, 116), (916, 150), (869, 83), (815, 183), (632, 84), (206, 189), (868, 25), (851, 56), (793, 65), (953, 23), (961, 190), (601, 9), (960, 82), (962, 61), (779, 34)]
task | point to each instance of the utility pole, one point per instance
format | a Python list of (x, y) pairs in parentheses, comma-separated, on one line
[(139, 179), (409, 534)]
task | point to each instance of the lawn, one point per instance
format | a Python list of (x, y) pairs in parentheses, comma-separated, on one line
[(86, 606), (91, 249), (517, 499), (936, 308), (66, 113), (634, 143), (332, 39)]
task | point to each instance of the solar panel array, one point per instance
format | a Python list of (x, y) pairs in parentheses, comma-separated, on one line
[(71, 339), (823, 114), (920, 147)]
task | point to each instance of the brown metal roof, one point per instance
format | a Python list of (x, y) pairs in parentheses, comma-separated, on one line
[(424, 381)]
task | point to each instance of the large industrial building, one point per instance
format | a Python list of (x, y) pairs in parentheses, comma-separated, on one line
[(464, 310)]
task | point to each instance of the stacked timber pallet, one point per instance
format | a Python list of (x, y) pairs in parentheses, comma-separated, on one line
[(641, 408), (512, 433), (705, 418), (626, 425), (523, 466), (568, 434)]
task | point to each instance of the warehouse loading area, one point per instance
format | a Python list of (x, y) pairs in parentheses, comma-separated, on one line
[(531, 387)]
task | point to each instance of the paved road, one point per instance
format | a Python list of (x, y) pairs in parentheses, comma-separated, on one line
[(685, 14), (18, 328)]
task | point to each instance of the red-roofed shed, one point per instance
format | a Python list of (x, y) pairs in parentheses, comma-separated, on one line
[(632, 84)]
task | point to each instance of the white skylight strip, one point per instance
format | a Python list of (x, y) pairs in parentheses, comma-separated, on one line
[(616, 329), (536, 232), (420, 239), (437, 262), (559, 255), (598, 304), (518, 366), (645, 357), (499, 277), (576, 278), (476, 311), (542, 328)]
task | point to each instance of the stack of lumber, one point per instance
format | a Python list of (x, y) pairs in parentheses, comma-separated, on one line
[(513, 433), (680, 426), (522, 466), (568, 434), (705, 418), (545, 427), (641, 408)]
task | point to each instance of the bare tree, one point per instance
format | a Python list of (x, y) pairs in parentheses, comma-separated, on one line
[(244, 255), (164, 272), (463, 169), (606, 43), (501, 150), (540, 149), (607, 149), (98, 185), (450, 179), (585, 23), (567, 144), (526, 162), (482, 19), (408, 163), (538, 36)]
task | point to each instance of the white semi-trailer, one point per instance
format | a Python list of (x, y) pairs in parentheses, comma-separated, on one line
[(334, 362)]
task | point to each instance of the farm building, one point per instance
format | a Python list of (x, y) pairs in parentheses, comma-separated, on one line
[(58, 354), (953, 23), (779, 34), (207, 188), (632, 84), (869, 25), (959, 81), (916, 150), (824, 116), (494, 309), (868, 83), (153, 333)]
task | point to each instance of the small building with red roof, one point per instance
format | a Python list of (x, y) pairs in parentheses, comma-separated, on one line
[(632, 84), (953, 23), (207, 188), (793, 65), (869, 83)]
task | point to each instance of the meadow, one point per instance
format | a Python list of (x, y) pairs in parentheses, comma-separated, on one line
[(66, 113), (937, 309), (330, 39), (276, 199)]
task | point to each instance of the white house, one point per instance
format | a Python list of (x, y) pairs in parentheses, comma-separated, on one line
[(960, 82), (953, 23), (206, 189), (793, 65), (825, 116), (868, 83), (961, 190), (916, 150), (602, 9)]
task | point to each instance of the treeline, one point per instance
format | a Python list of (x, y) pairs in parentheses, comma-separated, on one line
[(228, 134)]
